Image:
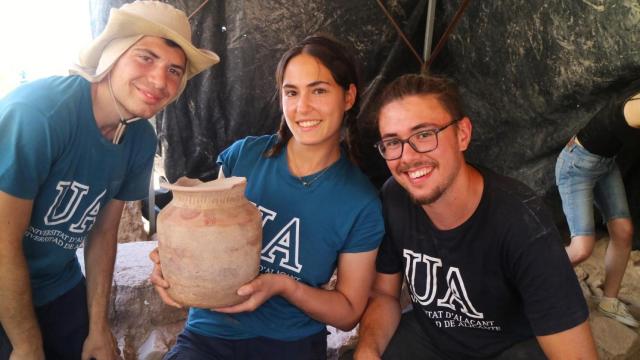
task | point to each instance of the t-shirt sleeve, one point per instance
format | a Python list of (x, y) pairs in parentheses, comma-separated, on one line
[(389, 260), (26, 152), (229, 157), (540, 267), (136, 183), (367, 230)]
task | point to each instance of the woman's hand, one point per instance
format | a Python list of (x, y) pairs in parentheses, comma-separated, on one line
[(158, 280), (259, 290)]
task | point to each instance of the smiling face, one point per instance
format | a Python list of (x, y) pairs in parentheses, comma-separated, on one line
[(425, 176), (147, 77), (312, 102)]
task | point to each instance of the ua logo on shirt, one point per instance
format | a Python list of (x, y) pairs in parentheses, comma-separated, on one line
[(66, 204), (285, 244), (456, 297)]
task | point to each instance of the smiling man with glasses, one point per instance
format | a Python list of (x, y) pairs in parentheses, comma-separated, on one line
[(483, 262)]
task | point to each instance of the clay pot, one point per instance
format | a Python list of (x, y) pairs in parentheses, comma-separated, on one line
[(209, 239)]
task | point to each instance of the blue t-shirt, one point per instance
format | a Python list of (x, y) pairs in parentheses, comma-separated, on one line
[(53, 153), (304, 231)]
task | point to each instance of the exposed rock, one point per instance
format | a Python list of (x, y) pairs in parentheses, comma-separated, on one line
[(613, 339), (340, 341), (131, 226), (160, 340), (136, 310)]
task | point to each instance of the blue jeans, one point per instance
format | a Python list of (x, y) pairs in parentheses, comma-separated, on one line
[(192, 346), (583, 179), (64, 324)]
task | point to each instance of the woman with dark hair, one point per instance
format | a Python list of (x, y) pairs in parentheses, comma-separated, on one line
[(320, 212)]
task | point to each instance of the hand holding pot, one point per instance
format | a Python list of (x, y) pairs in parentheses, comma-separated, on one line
[(158, 280), (259, 290)]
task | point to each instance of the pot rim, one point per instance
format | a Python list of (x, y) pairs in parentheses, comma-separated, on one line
[(194, 185)]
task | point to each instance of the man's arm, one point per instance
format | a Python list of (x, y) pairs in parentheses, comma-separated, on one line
[(632, 111), (381, 317), (16, 308), (574, 343), (99, 259)]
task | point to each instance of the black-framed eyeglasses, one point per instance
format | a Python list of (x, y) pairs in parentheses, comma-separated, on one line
[(423, 142)]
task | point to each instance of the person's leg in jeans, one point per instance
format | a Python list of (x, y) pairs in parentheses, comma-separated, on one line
[(576, 174), (64, 324), (582, 179)]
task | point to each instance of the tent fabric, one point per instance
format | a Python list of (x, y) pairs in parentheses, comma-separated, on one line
[(531, 72)]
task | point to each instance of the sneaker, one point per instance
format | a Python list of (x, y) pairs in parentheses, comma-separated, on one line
[(617, 310)]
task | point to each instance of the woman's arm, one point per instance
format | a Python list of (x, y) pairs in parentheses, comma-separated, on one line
[(341, 307)]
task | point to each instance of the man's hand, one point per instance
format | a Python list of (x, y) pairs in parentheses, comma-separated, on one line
[(100, 345), (366, 354), (258, 290), (157, 279)]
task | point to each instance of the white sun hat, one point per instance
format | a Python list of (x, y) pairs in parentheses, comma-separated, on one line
[(130, 23)]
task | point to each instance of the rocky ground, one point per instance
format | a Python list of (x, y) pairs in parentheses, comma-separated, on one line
[(146, 328), (613, 339)]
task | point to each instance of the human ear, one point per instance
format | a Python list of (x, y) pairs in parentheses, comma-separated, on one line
[(465, 129), (350, 97)]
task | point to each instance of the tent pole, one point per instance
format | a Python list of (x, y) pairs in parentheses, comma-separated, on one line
[(428, 36)]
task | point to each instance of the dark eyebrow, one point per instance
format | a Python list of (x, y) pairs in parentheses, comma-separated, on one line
[(318, 82), (414, 129), (155, 56), (310, 85)]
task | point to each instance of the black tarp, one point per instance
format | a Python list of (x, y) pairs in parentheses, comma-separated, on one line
[(532, 73)]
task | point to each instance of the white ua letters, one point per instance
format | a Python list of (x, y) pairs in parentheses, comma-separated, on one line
[(71, 207), (65, 207), (457, 294), (430, 265), (66, 203), (424, 269), (284, 245), (89, 216)]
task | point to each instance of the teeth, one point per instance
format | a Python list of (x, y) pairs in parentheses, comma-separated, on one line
[(308, 123), (418, 173)]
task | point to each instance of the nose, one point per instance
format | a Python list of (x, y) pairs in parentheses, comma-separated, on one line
[(304, 103), (158, 77)]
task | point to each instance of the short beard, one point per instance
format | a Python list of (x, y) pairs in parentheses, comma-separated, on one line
[(437, 193), (428, 199)]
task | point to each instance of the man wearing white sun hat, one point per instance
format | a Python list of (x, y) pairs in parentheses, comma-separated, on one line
[(67, 166)]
